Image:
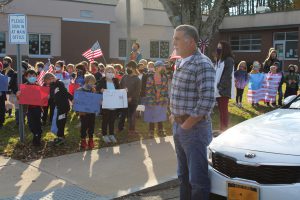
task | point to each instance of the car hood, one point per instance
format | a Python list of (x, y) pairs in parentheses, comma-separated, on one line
[(274, 132)]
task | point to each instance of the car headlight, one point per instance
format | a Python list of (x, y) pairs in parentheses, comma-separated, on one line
[(209, 156)]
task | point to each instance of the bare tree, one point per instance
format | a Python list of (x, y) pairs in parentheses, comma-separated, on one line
[(194, 12)]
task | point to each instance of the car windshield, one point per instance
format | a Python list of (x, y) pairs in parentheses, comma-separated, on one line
[(294, 104)]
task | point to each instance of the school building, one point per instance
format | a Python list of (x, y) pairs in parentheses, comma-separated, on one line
[(64, 29), (67, 28), (251, 36)]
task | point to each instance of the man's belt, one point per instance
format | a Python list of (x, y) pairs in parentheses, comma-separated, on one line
[(181, 119)]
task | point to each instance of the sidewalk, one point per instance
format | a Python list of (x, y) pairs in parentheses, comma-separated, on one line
[(99, 174)]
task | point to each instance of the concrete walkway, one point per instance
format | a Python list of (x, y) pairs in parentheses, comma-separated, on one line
[(99, 174)]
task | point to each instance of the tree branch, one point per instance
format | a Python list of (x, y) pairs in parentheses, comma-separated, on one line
[(172, 7)]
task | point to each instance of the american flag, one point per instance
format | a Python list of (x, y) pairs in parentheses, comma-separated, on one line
[(94, 52), (202, 44), (42, 73)]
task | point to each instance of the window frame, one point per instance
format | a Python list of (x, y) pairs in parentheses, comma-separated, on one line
[(251, 44), (39, 44), (159, 51), (285, 42), (5, 44)]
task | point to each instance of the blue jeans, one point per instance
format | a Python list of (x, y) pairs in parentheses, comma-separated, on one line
[(191, 149)]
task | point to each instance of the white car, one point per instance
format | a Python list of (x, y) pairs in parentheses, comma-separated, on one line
[(259, 159)]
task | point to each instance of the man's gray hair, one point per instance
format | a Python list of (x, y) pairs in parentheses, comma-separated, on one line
[(189, 31)]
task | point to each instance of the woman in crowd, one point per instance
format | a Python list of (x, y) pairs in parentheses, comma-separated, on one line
[(224, 82), (292, 81), (156, 98), (132, 83), (241, 79), (135, 54)]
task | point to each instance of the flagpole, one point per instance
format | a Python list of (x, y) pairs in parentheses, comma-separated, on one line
[(128, 30), (104, 60)]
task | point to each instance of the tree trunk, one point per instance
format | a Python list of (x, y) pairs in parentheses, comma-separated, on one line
[(190, 12)]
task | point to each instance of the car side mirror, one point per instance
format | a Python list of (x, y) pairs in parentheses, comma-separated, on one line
[(289, 99)]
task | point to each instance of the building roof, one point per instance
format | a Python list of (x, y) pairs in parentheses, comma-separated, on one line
[(261, 21)]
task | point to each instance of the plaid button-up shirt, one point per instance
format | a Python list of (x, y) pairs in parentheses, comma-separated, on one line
[(192, 90)]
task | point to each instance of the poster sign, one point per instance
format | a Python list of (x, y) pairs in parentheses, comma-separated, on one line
[(34, 95), (73, 87), (87, 102), (3, 83), (113, 99), (17, 29)]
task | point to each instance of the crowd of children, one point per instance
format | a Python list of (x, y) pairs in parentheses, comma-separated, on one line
[(265, 82), (90, 77), (146, 83)]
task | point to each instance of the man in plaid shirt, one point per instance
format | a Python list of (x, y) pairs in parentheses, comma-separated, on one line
[(192, 99)]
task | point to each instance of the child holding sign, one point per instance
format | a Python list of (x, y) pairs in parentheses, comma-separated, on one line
[(33, 112), (61, 99), (87, 119), (109, 82)]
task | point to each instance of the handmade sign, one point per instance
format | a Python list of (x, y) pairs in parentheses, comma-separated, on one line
[(3, 83), (54, 128), (34, 95), (113, 99), (73, 87), (87, 102)]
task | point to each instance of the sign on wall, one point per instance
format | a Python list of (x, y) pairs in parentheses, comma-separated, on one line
[(17, 24)]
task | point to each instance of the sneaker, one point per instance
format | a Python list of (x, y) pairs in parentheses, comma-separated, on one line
[(91, 143), (59, 141), (112, 138), (240, 105), (106, 139), (83, 144)]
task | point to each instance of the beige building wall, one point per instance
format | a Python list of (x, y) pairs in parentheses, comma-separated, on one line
[(44, 16), (36, 24)]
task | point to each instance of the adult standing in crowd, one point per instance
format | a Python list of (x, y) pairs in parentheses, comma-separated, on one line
[(271, 60), (292, 81), (192, 100), (135, 54), (224, 83), (132, 83), (156, 98)]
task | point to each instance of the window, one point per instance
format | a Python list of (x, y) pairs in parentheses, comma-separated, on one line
[(246, 42), (39, 44), (289, 43), (159, 49), (123, 46), (2, 43)]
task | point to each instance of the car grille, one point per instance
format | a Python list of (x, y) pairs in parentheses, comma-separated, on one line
[(262, 174)]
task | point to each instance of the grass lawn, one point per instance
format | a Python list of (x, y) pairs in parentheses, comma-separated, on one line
[(11, 147)]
